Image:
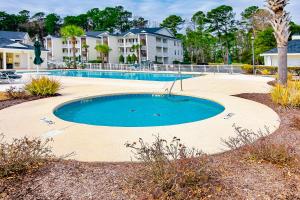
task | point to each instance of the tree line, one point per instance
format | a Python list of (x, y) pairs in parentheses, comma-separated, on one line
[(109, 19), (216, 36)]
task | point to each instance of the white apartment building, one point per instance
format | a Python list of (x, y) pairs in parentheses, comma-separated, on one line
[(17, 52), (156, 45)]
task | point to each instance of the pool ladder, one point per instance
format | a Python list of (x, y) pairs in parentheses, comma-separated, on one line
[(169, 91)]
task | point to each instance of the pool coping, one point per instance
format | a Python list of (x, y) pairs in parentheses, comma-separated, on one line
[(133, 93)]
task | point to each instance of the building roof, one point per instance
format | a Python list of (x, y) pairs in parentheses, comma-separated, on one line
[(8, 44), (293, 47), (146, 30), (12, 35), (93, 33), (154, 31), (142, 30), (52, 36)]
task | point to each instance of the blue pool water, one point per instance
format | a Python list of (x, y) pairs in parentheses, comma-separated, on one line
[(119, 75), (138, 110)]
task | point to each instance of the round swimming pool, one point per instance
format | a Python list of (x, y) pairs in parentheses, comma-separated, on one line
[(138, 110)]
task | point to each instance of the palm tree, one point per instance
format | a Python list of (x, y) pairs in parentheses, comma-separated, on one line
[(103, 49), (85, 47), (137, 48), (280, 22), (71, 32)]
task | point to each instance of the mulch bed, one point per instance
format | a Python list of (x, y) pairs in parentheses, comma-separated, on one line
[(11, 102), (242, 179)]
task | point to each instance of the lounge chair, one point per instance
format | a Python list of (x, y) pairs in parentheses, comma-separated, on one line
[(9, 76), (136, 67), (3, 78)]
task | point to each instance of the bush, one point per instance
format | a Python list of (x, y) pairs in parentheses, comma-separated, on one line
[(280, 95), (287, 95), (14, 93), (121, 59), (257, 147), (23, 155), (297, 71), (172, 171), (289, 76), (265, 72), (243, 137), (94, 61), (3, 96), (43, 86), (271, 69), (248, 69), (294, 70), (277, 154)]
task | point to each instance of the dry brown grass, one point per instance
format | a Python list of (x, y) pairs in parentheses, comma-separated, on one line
[(23, 155), (173, 171), (277, 154), (3, 96), (259, 148)]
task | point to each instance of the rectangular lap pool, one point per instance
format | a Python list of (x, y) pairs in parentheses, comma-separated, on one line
[(119, 75)]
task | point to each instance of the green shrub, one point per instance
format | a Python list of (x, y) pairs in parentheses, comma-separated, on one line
[(128, 59), (43, 86), (172, 171), (23, 155), (121, 59), (94, 61)]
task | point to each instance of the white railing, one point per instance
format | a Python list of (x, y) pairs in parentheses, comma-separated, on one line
[(167, 68)]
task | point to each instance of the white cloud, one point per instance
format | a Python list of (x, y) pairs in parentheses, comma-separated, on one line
[(154, 10)]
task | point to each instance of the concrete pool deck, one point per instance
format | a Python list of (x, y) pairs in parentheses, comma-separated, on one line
[(99, 143)]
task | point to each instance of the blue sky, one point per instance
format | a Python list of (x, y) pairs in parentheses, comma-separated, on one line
[(155, 10)]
